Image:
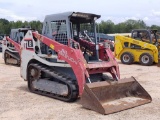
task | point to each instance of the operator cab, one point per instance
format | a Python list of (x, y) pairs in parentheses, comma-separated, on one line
[(83, 26), (144, 35), (84, 32), (78, 26), (18, 34)]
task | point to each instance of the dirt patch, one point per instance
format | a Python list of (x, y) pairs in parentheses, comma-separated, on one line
[(17, 103)]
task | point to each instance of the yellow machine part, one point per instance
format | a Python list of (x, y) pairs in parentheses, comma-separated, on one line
[(120, 48), (137, 54)]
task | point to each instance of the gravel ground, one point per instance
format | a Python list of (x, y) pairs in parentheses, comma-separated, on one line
[(17, 103)]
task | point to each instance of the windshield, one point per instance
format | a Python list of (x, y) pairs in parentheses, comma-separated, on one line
[(84, 31)]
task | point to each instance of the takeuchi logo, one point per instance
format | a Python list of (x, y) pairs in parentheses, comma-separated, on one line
[(65, 54)]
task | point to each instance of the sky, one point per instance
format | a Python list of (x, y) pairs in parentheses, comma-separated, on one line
[(115, 10)]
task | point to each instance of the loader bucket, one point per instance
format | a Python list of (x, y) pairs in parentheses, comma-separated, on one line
[(106, 98)]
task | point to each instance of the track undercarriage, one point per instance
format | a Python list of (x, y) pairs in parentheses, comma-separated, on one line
[(11, 58), (49, 82)]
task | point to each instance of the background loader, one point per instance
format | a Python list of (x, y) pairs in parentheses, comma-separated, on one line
[(65, 63), (11, 46), (142, 47), (1, 38)]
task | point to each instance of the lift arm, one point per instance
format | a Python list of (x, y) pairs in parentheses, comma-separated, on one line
[(16, 45)]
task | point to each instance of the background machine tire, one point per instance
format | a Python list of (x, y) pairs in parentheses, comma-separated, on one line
[(127, 58), (146, 59)]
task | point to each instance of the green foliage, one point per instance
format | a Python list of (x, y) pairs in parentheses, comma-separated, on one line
[(123, 27), (6, 26), (155, 27), (37, 25), (104, 26)]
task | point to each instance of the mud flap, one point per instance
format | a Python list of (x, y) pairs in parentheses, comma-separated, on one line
[(107, 97)]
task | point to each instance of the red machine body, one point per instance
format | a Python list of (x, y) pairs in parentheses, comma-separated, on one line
[(67, 62), (79, 65)]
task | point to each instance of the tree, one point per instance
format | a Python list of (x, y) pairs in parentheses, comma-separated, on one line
[(134, 24), (37, 25), (155, 27), (106, 26), (120, 28), (4, 26)]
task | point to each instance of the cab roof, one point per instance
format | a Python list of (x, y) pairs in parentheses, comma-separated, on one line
[(73, 16)]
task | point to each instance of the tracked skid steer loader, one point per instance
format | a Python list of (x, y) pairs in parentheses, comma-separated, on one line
[(67, 62), (11, 46)]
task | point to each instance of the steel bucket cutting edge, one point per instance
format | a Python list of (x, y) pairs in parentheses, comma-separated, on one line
[(110, 97)]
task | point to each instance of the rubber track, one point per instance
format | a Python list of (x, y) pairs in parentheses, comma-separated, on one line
[(60, 78), (14, 56)]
